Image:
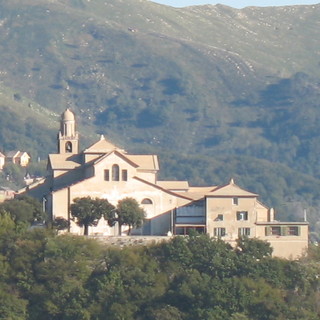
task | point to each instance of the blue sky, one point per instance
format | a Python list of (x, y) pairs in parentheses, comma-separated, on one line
[(235, 3)]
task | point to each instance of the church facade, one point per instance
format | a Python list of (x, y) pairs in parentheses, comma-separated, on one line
[(106, 171)]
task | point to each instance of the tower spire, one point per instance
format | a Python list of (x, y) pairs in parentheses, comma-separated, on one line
[(68, 138)]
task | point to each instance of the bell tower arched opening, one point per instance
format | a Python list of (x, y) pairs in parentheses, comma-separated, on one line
[(68, 147), (68, 138)]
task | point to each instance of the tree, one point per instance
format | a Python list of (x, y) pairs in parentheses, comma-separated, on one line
[(23, 209), (14, 173), (254, 248), (105, 208), (11, 306), (88, 211), (61, 223), (165, 312), (61, 277), (129, 213), (6, 223)]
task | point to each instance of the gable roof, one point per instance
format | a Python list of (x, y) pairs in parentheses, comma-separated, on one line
[(174, 185), (197, 193), (12, 154), (102, 146), (182, 195), (145, 161), (119, 154), (2, 155), (23, 153), (231, 190), (17, 154), (142, 162), (64, 161)]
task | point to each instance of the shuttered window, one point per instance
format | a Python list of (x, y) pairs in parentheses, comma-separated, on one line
[(243, 232), (219, 232), (282, 231)]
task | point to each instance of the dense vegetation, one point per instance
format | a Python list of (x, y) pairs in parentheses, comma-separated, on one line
[(14, 176), (216, 92), (73, 278)]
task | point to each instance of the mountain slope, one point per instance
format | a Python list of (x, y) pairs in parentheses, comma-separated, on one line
[(204, 81)]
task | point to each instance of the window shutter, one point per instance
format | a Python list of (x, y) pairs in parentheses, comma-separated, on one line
[(268, 231), (299, 231)]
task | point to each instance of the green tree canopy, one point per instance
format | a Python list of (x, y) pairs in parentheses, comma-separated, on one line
[(88, 211), (11, 306), (75, 278), (23, 209), (14, 173), (255, 248), (130, 213), (6, 223), (60, 223)]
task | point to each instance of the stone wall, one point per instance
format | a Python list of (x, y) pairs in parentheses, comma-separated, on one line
[(127, 241)]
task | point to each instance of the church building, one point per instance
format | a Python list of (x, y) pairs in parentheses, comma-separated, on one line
[(107, 171)]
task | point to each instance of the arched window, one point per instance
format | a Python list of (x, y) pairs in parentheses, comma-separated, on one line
[(68, 147), (115, 172), (146, 201)]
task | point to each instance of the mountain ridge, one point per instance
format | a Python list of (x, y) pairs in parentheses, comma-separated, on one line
[(201, 81)]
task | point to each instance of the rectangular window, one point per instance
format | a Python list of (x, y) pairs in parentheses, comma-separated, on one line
[(293, 231), (235, 201), (283, 231), (180, 231), (124, 175), (219, 217), (242, 215), (219, 232), (273, 231), (243, 232), (115, 172), (106, 175)]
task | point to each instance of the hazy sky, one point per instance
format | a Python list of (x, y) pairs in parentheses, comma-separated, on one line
[(235, 3)]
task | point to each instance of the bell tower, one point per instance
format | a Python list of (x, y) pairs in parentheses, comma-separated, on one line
[(68, 138)]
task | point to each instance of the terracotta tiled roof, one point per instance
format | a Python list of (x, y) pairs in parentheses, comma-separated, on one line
[(231, 190), (197, 193), (141, 162), (64, 161), (182, 195), (144, 162), (16, 154), (102, 146), (174, 185), (22, 153), (12, 154), (119, 154), (203, 190)]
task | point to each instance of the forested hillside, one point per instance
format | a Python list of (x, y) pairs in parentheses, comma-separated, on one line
[(217, 92), (186, 278)]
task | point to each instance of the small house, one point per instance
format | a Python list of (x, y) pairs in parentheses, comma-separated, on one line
[(2, 160), (21, 158)]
